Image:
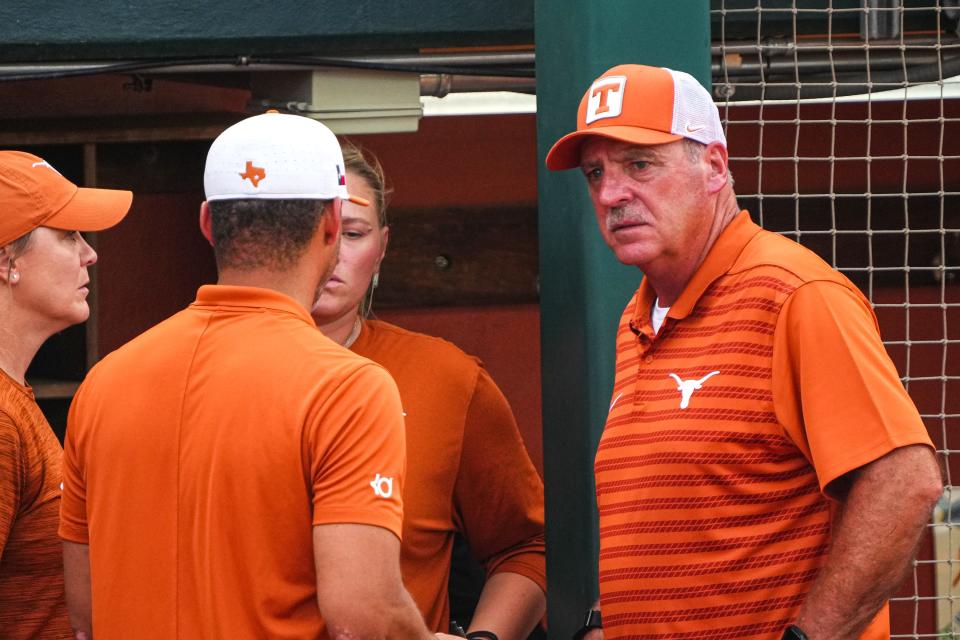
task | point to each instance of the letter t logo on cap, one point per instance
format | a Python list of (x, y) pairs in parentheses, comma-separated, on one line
[(606, 98)]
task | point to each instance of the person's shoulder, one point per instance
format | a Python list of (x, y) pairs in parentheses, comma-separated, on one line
[(133, 355), (307, 359), (146, 341), (787, 258), (9, 426), (388, 344), (421, 342), (14, 403), (15, 420)]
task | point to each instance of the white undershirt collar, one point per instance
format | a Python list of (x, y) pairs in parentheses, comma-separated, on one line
[(657, 315)]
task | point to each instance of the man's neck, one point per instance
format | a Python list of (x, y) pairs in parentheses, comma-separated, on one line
[(669, 281), (302, 279), (289, 283)]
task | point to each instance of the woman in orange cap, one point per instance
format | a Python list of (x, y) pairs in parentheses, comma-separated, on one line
[(44, 264), (468, 472)]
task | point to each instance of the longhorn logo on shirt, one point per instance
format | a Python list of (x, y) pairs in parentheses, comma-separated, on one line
[(253, 174), (382, 486), (687, 387)]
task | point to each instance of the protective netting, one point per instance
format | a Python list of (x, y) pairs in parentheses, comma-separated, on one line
[(843, 120)]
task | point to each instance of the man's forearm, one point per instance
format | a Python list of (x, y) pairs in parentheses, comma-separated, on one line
[(510, 605), (76, 575), (874, 541), (407, 622), (395, 620), (359, 589)]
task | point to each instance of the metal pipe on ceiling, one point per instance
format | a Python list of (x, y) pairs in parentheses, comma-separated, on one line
[(881, 19), (245, 63), (517, 59), (442, 74), (738, 65), (506, 65), (785, 69), (439, 85), (789, 47)]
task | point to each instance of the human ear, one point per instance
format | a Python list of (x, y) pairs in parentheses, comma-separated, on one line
[(331, 221), (384, 240), (718, 167), (206, 222), (8, 272)]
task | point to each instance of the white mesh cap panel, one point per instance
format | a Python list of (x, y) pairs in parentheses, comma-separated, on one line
[(695, 116)]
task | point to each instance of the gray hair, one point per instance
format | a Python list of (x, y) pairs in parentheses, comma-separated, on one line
[(694, 151), (15, 249)]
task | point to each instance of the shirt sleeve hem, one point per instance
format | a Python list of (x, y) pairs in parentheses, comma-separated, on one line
[(528, 565), (72, 534), (350, 516), (870, 454)]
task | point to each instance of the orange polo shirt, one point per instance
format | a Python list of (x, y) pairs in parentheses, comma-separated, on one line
[(767, 381), (468, 470), (200, 455), (32, 601)]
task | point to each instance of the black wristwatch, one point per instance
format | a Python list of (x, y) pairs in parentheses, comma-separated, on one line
[(793, 632), (592, 621)]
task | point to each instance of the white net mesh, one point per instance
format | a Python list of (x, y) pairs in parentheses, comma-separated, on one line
[(843, 120)]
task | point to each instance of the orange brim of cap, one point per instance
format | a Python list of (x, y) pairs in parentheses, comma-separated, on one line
[(363, 202), (91, 210), (565, 154)]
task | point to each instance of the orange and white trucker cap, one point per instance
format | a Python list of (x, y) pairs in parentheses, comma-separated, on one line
[(34, 194), (276, 156), (641, 105)]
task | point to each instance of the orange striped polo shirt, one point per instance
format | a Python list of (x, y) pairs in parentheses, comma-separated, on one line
[(767, 381), (32, 603)]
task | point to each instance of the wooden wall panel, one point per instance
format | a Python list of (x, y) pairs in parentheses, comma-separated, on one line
[(442, 257)]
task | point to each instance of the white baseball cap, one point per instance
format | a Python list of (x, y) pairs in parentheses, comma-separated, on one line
[(641, 105), (276, 156)]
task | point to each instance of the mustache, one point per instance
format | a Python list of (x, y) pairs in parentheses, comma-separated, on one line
[(622, 216)]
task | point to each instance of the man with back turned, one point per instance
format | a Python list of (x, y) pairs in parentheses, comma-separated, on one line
[(232, 473)]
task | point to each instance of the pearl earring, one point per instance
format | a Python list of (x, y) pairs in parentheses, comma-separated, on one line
[(14, 276)]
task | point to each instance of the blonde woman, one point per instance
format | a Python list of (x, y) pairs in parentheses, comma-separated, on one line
[(468, 472)]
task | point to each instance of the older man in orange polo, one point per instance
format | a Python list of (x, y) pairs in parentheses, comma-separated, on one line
[(762, 473)]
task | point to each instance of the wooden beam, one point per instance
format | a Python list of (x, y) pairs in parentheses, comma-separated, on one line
[(441, 257), (149, 128), (92, 335)]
